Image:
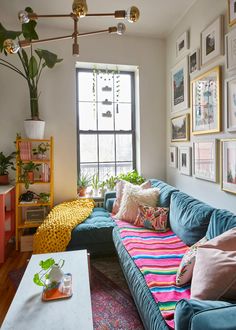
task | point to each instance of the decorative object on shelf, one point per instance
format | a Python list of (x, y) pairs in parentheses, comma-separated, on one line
[(228, 165), (180, 128), (50, 273), (41, 150), (230, 103), (27, 172), (194, 61), (32, 66), (231, 12), (83, 182), (206, 102), (79, 11), (230, 50), (173, 156), (185, 160), (180, 86), (204, 160), (5, 163), (182, 44), (212, 41)]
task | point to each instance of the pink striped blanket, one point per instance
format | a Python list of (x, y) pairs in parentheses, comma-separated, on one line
[(158, 256)]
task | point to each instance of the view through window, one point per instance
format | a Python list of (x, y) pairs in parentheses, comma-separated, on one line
[(106, 122)]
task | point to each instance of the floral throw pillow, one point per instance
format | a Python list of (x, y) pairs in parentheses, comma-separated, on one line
[(152, 217), (185, 270)]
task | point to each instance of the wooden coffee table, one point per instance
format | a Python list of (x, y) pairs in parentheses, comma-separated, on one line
[(28, 311)]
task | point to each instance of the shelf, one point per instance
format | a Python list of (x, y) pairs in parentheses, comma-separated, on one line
[(36, 182), (29, 225), (36, 161), (33, 204)]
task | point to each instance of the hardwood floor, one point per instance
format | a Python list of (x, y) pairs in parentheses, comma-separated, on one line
[(14, 259)]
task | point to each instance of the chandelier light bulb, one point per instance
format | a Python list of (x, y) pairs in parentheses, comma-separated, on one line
[(23, 16), (80, 8), (132, 14), (10, 46), (121, 28)]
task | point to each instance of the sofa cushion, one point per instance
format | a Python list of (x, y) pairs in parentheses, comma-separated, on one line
[(165, 192), (189, 217), (152, 217), (221, 221), (110, 203)]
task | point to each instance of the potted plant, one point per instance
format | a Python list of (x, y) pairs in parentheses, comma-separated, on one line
[(132, 177), (111, 182), (40, 151), (32, 65), (95, 184), (102, 186), (27, 172), (5, 163), (83, 182)]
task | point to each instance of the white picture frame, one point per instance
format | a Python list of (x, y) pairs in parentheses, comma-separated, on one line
[(212, 41), (205, 160), (182, 44), (173, 156), (230, 50), (230, 103), (180, 86), (185, 160), (228, 165), (194, 61)]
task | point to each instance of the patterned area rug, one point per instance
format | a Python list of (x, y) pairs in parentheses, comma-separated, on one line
[(112, 305)]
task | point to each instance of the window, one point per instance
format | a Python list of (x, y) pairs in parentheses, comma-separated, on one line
[(106, 122)]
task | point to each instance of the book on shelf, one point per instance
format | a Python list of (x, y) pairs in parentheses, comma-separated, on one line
[(45, 175), (25, 148)]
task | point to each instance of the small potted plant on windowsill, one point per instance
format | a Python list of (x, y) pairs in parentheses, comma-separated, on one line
[(83, 183), (95, 184), (5, 163)]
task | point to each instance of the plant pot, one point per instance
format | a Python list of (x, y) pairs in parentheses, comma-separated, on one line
[(31, 177), (34, 129), (4, 180), (81, 191)]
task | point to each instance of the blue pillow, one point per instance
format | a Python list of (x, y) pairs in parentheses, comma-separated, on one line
[(189, 217), (165, 192), (221, 221)]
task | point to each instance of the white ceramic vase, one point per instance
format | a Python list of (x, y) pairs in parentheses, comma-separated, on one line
[(34, 129)]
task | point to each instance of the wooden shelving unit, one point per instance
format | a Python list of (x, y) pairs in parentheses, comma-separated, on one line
[(42, 183)]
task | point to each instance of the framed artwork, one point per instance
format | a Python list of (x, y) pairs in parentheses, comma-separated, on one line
[(206, 102), (231, 12), (230, 103), (185, 160), (182, 44), (194, 61), (228, 165), (230, 49), (212, 41), (180, 128), (173, 156), (179, 86), (204, 160)]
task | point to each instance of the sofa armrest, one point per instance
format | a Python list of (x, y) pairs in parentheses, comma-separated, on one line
[(222, 318), (109, 199)]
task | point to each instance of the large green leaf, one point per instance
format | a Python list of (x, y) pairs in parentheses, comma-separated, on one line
[(25, 57), (7, 34), (33, 67), (28, 30), (46, 264), (37, 280), (50, 58)]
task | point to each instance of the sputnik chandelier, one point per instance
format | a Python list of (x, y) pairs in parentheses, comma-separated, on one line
[(79, 10)]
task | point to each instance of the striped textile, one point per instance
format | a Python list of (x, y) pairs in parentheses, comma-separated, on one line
[(158, 256)]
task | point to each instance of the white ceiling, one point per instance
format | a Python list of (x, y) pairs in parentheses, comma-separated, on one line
[(157, 17)]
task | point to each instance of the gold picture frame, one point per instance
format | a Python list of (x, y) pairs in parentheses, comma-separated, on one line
[(180, 128), (231, 12), (228, 165), (206, 102)]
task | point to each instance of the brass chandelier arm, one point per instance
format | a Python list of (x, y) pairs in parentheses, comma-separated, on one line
[(119, 14)]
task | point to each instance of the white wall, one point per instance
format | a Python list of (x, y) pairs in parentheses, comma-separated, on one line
[(196, 20), (58, 103)]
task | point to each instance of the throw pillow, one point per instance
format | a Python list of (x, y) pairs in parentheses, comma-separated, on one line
[(152, 217), (132, 196), (185, 270), (119, 193)]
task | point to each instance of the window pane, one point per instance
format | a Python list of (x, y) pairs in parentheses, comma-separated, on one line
[(106, 170), (87, 116), (85, 86), (123, 117), (105, 117), (88, 148), (89, 169), (123, 168), (124, 147), (122, 88), (105, 87), (106, 148)]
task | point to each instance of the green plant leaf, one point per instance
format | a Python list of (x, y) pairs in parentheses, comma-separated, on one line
[(47, 263), (25, 57), (37, 280), (50, 58), (5, 34), (33, 67)]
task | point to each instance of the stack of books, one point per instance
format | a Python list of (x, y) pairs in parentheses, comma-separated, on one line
[(45, 175), (25, 150)]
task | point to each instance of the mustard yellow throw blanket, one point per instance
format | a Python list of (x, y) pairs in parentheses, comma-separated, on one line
[(54, 234)]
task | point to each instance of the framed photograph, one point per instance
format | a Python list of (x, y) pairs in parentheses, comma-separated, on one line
[(179, 86), (212, 41), (204, 160), (230, 103), (231, 12), (173, 156), (180, 128), (230, 49), (194, 61), (228, 165), (206, 102), (182, 44), (185, 160)]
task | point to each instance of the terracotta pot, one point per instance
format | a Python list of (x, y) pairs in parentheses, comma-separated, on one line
[(4, 180), (31, 176), (81, 191)]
